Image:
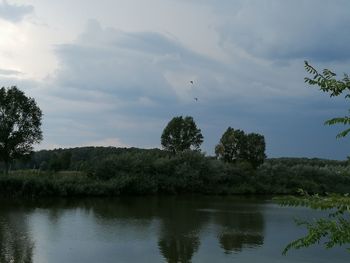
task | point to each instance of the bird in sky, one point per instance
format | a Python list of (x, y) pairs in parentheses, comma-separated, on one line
[(191, 81)]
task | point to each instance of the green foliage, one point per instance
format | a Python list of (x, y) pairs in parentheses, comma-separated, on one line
[(287, 176), (74, 159), (181, 134), (328, 82), (118, 171), (20, 121), (147, 172), (334, 230), (255, 151), (232, 145), (59, 161), (235, 146)]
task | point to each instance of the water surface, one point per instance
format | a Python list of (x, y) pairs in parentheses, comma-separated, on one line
[(155, 229)]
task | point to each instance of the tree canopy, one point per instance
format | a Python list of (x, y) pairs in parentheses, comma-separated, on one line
[(255, 152), (235, 145), (20, 125), (181, 134), (232, 145)]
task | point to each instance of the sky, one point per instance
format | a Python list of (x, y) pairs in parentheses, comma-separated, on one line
[(115, 72)]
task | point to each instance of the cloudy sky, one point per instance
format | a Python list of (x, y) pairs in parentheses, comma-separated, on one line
[(114, 72)]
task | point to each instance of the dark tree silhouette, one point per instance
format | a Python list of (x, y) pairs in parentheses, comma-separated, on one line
[(255, 152), (181, 134), (232, 145), (235, 145), (20, 121)]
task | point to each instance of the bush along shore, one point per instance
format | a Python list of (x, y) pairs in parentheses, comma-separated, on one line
[(109, 171)]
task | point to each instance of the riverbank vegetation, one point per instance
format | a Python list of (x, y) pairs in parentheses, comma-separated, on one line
[(106, 171)]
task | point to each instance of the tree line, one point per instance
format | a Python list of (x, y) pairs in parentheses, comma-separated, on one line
[(20, 128)]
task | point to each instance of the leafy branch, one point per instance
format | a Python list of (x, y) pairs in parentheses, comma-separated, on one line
[(328, 82), (335, 229)]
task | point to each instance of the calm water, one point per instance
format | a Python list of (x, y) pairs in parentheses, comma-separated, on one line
[(154, 229)]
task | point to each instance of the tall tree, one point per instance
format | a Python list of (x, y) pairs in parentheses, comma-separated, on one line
[(232, 145), (181, 134), (235, 145), (255, 152), (20, 125)]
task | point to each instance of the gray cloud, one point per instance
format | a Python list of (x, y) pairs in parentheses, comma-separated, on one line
[(123, 87), (127, 86), (138, 67), (285, 30), (114, 82), (9, 72), (14, 13)]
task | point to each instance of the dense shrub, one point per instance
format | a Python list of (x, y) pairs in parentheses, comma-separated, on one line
[(138, 171)]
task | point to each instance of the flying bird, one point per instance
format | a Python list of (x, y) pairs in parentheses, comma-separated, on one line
[(195, 98)]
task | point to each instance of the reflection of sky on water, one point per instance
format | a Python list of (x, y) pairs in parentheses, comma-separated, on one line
[(164, 229), (79, 237)]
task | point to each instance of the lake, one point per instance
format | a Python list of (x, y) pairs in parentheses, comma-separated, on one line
[(155, 229)]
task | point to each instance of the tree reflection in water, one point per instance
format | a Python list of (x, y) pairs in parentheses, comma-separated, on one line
[(241, 227), (239, 223), (15, 243), (234, 242), (180, 226), (178, 248)]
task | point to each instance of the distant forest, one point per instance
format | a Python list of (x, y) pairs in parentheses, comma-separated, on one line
[(113, 171), (85, 159)]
